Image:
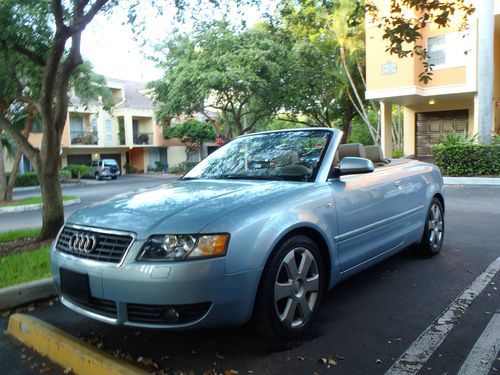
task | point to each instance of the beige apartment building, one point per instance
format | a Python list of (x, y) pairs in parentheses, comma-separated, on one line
[(450, 101), (129, 133)]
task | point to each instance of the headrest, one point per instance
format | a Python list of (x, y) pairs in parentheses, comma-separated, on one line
[(352, 149), (375, 154), (295, 170)]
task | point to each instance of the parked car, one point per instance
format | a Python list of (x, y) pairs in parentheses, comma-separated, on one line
[(262, 228), (105, 168)]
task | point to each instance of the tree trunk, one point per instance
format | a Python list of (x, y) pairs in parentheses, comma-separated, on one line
[(52, 209), (13, 175), (347, 117), (17, 158), (3, 184)]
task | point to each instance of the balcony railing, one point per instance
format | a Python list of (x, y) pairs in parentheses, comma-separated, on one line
[(143, 138), (84, 138)]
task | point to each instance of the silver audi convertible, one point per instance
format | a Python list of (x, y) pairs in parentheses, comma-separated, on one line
[(261, 229)]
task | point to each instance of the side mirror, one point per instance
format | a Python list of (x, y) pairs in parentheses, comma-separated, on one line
[(352, 165)]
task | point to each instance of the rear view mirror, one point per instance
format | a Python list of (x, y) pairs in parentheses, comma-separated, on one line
[(352, 165)]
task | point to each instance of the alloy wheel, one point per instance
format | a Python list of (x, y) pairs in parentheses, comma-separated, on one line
[(296, 287), (435, 226)]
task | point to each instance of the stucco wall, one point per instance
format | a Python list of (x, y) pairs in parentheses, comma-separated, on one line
[(176, 155)]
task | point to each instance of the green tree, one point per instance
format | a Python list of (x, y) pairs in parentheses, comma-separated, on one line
[(38, 70), (329, 61), (191, 133), (219, 68)]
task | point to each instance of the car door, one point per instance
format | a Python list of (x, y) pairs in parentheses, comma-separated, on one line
[(366, 206)]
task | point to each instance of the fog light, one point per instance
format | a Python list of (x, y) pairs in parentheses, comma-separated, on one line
[(171, 315)]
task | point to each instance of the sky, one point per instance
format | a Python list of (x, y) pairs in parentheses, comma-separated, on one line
[(110, 47)]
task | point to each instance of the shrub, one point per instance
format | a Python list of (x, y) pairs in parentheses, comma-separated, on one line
[(453, 138), (467, 159), (397, 153), (64, 174), (78, 170), (27, 179), (177, 168)]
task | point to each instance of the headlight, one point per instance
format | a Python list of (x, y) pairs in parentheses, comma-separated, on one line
[(184, 246)]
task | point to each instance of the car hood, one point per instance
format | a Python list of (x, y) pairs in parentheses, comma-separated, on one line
[(178, 207)]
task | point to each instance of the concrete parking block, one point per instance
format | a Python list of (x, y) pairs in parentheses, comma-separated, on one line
[(26, 293), (64, 349)]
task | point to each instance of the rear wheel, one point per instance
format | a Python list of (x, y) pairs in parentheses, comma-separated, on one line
[(291, 289), (432, 239)]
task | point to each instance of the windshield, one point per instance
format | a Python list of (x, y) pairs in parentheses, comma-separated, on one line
[(110, 163), (287, 155)]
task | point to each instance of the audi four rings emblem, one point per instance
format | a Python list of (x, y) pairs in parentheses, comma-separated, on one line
[(82, 243)]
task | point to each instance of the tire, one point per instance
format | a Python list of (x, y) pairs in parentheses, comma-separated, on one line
[(289, 297), (97, 176), (113, 177), (432, 238)]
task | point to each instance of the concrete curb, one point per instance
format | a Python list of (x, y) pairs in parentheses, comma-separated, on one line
[(27, 292), (65, 350), (33, 207), (488, 181)]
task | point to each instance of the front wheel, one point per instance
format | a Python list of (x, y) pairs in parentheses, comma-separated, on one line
[(97, 176), (291, 289), (432, 239)]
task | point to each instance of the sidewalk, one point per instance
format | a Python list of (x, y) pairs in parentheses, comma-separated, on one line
[(480, 181)]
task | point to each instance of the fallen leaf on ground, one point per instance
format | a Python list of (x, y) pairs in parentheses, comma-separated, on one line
[(220, 356), (46, 369), (231, 372)]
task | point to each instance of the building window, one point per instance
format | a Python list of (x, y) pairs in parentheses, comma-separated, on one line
[(109, 131), (447, 50)]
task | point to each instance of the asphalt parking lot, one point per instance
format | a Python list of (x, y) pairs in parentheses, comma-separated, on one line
[(365, 324)]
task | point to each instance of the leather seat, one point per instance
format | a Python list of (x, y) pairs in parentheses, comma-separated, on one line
[(375, 154), (352, 150)]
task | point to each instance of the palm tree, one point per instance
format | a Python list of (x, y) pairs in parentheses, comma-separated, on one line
[(350, 39)]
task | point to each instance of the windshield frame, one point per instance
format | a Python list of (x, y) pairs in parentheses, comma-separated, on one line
[(321, 172)]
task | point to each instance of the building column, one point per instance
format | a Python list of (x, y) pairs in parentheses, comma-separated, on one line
[(129, 137), (409, 140), (485, 70), (386, 128)]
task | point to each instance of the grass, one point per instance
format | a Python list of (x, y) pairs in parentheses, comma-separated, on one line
[(19, 234), (22, 267), (33, 200)]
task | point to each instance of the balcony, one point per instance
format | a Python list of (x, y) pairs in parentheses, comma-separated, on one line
[(143, 138), (84, 138)]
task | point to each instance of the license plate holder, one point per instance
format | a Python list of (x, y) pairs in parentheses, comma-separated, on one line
[(75, 285)]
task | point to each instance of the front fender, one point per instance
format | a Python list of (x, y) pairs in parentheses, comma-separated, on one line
[(258, 227)]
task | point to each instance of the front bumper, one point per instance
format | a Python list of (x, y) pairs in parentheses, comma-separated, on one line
[(200, 289)]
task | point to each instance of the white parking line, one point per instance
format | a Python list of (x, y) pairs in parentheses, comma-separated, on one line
[(485, 351), (422, 348)]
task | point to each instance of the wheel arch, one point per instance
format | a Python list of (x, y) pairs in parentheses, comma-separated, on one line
[(440, 197)]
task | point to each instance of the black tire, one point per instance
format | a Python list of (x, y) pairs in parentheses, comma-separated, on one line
[(270, 311), (433, 236), (97, 176), (113, 177)]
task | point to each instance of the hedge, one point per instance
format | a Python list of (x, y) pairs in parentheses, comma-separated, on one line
[(27, 179), (31, 179), (467, 159)]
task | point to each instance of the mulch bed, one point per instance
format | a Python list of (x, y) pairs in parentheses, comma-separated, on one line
[(22, 245)]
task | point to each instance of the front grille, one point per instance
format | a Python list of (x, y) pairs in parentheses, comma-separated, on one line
[(109, 247), (96, 305), (153, 314)]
